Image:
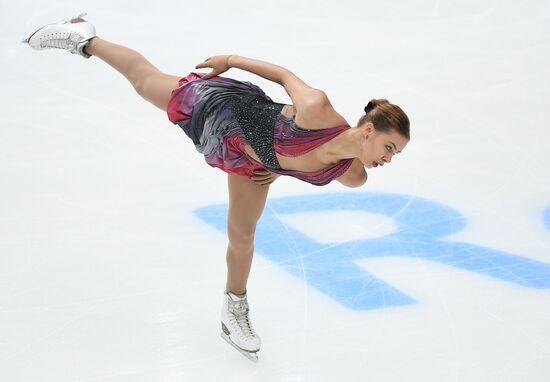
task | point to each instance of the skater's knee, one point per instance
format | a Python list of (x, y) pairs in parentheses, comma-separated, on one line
[(241, 245), (240, 252), (241, 240), (241, 234), (142, 85)]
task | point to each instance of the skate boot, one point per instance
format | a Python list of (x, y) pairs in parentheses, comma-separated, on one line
[(236, 327), (72, 35)]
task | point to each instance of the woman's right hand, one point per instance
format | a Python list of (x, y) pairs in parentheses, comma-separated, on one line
[(219, 64)]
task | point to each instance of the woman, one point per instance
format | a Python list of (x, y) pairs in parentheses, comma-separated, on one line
[(240, 130)]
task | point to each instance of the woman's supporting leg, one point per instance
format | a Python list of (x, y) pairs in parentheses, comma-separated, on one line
[(246, 204), (150, 83)]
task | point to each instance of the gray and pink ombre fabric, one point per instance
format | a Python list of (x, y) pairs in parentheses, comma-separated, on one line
[(205, 110)]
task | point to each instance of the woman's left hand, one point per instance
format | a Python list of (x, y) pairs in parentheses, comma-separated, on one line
[(219, 64), (263, 177)]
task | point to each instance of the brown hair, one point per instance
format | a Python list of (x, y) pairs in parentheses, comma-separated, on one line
[(385, 116)]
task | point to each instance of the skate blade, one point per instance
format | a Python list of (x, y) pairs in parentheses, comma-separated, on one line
[(251, 356), (26, 40)]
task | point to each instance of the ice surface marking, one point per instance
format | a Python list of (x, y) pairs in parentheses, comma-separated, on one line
[(422, 226)]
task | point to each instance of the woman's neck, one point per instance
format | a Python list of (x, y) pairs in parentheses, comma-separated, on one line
[(344, 146)]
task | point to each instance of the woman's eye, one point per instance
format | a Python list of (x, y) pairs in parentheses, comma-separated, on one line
[(388, 148)]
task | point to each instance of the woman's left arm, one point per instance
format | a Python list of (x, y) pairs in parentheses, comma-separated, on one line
[(303, 96), (222, 63), (355, 176)]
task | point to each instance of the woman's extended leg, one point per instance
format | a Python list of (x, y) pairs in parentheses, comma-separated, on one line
[(150, 83), (246, 203)]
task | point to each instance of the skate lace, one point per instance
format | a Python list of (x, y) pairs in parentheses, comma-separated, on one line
[(240, 312), (61, 40)]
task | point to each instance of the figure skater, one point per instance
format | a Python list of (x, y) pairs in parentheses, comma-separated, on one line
[(240, 130)]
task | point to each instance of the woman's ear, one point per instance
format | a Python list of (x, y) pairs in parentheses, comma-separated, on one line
[(367, 129)]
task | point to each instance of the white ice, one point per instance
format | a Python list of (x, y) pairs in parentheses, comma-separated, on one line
[(106, 273)]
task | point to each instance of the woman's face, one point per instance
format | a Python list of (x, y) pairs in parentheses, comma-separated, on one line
[(378, 148)]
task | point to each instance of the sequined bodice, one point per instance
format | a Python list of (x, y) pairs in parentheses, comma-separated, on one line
[(256, 117)]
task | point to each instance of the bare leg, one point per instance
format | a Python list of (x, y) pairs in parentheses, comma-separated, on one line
[(246, 204), (150, 83)]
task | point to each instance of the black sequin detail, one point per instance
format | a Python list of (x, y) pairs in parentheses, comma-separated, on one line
[(256, 117)]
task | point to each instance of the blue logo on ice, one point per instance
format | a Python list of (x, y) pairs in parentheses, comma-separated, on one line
[(422, 227), (546, 218)]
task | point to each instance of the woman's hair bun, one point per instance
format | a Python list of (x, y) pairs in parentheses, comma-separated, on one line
[(386, 116), (373, 103)]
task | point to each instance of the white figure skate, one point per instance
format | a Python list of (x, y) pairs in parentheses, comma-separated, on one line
[(236, 327), (72, 35)]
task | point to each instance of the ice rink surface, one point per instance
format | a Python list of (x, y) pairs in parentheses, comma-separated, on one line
[(112, 244)]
